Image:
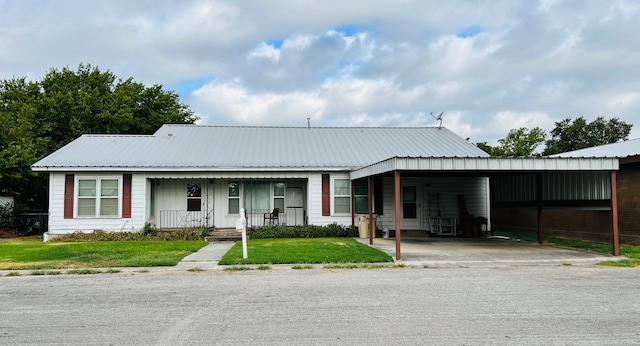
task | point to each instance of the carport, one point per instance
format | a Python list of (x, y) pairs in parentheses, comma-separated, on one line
[(526, 183)]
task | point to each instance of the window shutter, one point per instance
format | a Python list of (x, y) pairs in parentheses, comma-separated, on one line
[(326, 195), (68, 196), (126, 196)]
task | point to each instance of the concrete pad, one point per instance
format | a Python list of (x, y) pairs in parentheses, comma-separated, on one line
[(461, 252)]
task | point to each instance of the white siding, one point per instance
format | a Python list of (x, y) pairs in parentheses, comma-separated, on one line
[(474, 190), (171, 203), (221, 202), (59, 225), (314, 196)]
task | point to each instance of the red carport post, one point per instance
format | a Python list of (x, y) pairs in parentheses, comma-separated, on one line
[(614, 215), (353, 204), (372, 224), (396, 178)]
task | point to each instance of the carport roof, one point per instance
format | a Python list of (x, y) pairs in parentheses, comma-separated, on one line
[(486, 164)]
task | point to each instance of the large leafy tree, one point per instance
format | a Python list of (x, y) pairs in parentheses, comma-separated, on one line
[(39, 117), (571, 135), (519, 142)]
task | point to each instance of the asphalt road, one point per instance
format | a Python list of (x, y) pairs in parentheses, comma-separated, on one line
[(541, 305)]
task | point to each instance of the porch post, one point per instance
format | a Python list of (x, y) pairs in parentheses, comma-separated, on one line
[(372, 224), (353, 204), (614, 215), (396, 178)]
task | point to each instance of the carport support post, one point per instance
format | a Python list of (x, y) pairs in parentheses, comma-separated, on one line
[(539, 206), (614, 215), (372, 223), (396, 178)]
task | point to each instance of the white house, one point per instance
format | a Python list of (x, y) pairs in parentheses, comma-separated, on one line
[(192, 175), (189, 175)]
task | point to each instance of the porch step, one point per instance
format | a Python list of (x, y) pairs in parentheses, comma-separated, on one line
[(223, 235)]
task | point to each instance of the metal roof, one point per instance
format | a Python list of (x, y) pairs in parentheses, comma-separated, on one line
[(198, 147), (620, 150), (486, 164)]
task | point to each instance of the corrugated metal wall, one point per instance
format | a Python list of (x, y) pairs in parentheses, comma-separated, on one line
[(556, 186)]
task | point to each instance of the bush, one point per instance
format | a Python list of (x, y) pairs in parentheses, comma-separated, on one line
[(147, 233), (311, 231)]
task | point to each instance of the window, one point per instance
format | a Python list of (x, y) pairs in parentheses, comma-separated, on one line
[(278, 196), (341, 196), (194, 197), (152, 198), (234, 198), (98, 197), (361, 196)]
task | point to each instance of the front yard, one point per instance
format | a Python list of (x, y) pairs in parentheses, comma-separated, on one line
[(33, 254)]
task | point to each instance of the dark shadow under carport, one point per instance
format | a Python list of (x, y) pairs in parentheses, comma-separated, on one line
[(481, 252)]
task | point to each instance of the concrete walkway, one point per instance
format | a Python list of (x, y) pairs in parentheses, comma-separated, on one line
[(207, 257)]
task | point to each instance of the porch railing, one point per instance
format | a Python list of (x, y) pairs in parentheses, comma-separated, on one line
[(288, 217), (185, 219)]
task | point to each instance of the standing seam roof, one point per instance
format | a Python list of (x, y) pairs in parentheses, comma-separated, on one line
[(213, 147)]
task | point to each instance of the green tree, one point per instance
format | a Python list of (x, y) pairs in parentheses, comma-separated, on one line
[(519, 142), (37, 118), (571, 135), (485, 147)]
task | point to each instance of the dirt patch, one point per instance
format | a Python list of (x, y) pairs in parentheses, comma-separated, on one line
[(7, 233)]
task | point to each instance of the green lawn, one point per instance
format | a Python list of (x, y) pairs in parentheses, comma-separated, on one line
[(29, 254), (304, 251), (631, 252)]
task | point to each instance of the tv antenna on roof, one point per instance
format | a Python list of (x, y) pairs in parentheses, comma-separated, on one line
[(438, 118)]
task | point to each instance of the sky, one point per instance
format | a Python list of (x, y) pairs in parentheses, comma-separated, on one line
[(488, 66)]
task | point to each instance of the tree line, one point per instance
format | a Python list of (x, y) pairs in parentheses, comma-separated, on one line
[(567, 135), (39, 117)]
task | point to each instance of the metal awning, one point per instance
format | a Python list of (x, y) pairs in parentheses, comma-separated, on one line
[(486, 164)]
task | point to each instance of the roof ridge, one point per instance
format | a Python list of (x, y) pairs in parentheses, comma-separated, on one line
[(302, 127)]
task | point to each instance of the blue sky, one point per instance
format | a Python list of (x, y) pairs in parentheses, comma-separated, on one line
[(490, 66)]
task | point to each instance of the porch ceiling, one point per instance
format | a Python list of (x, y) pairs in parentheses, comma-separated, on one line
[(486, 165)]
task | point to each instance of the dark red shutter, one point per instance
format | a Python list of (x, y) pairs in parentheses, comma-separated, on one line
[(68, 196), (126, 196), (326, 195)]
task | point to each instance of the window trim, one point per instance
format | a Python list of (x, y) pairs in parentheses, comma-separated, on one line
[(334, 196), (229, 197), (194, 198), (365, 196), (98, 198)]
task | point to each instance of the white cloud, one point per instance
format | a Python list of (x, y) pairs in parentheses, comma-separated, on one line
[(525, 63)]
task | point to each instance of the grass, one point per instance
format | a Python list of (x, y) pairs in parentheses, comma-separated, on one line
[(631, 252), (28, 254), (304, 251)]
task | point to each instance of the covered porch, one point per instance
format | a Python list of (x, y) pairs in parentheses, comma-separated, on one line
[(189, 202)]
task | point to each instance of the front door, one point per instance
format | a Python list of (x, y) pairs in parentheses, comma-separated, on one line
[(410, 206)]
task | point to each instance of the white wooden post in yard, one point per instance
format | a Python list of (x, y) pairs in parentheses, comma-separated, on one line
[(241, 225)]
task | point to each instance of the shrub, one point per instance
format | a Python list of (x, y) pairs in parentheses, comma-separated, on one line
[(310, 231), (147, 233), (150, 229)]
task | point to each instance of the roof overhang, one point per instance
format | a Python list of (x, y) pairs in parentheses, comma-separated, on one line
[(486, 164)]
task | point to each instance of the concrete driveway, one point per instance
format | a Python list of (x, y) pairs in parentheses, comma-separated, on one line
[(461, 252)]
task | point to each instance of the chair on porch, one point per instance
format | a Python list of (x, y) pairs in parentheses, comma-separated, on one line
[(272, 216)]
